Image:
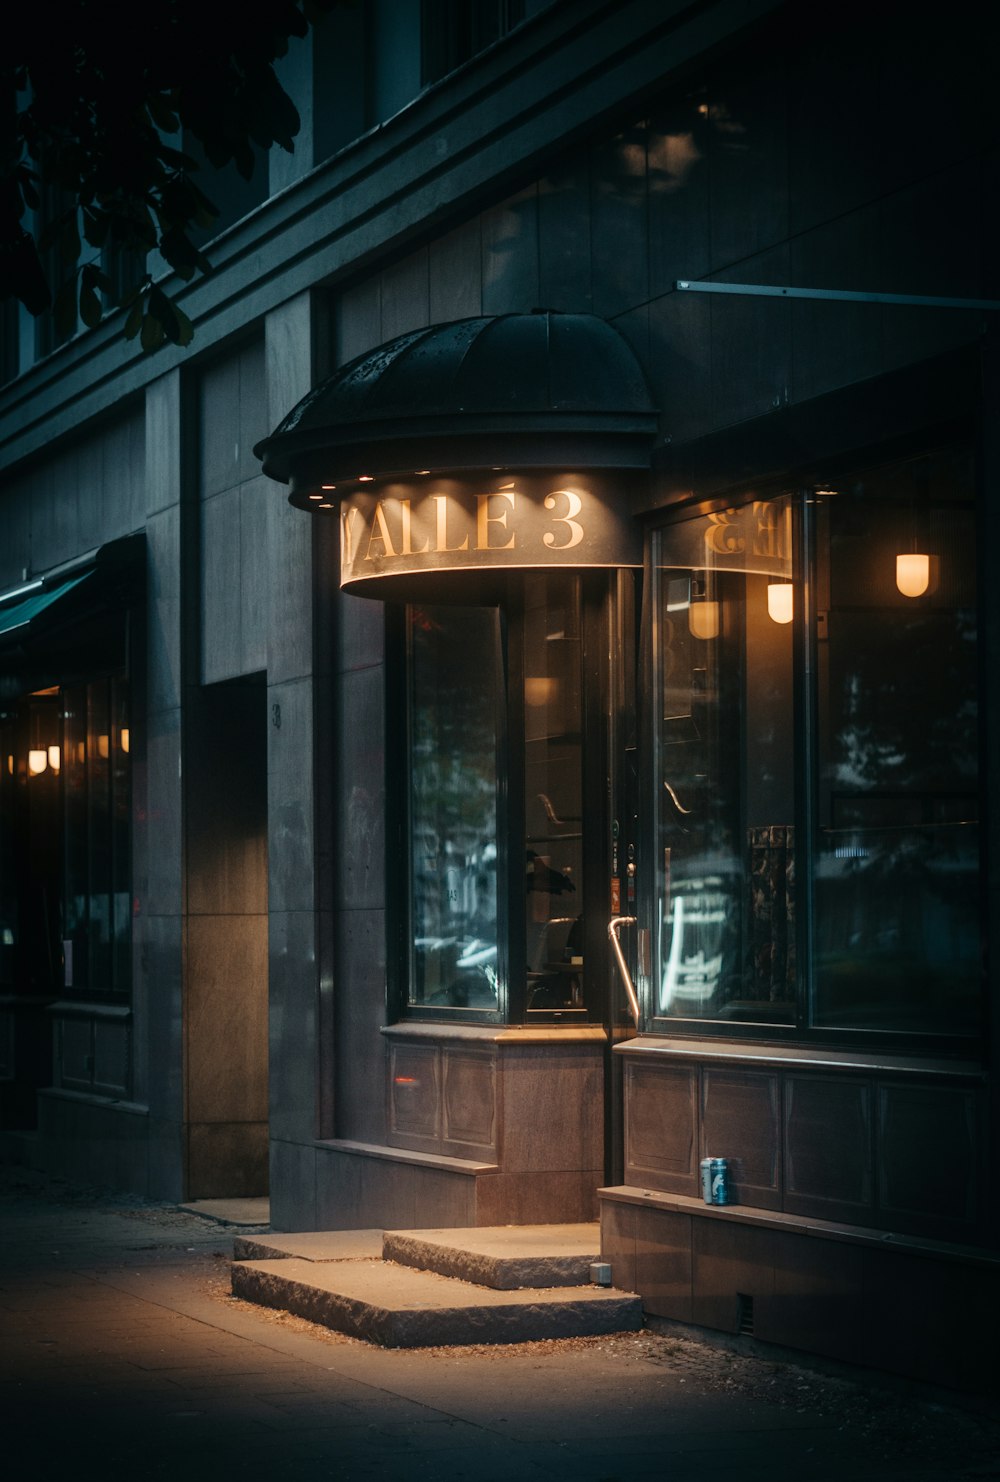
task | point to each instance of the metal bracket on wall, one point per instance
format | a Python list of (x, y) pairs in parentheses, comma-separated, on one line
[(837, 295)]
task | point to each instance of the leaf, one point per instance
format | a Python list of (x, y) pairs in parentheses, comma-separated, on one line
[(92, 276), (91, 311), (134, 321), (183, 329), (95, 226), (162, 113), (152, 336)]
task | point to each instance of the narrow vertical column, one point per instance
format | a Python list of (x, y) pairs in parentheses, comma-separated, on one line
[(292, 889), (159, 882)]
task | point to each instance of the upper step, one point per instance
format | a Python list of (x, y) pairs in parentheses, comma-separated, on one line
[(503, 1257), (398, 1307)]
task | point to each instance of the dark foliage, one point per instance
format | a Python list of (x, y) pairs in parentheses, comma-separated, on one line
[(98, 95)]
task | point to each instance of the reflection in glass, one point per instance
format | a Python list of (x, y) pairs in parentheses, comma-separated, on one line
[(455, 687), (96, 771), (897, 859), (553, 793), (885, 737), (724, 769)]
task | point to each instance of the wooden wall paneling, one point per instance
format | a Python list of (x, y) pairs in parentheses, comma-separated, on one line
[(828, 1151), (469, 1103), (414, 1096), (728, 1261), (739, 1122), (661, 1128), (929, 1159), (663, 1263)]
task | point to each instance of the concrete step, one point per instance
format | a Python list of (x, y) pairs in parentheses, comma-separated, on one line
[(315, 1245), (399, 1307), (504, 1257)]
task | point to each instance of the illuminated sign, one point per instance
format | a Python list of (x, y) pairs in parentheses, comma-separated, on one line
[(432, 524)]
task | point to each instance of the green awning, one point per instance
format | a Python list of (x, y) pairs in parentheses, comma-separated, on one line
[(17, 618)]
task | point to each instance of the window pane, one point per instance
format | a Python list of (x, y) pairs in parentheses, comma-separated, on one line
[(121, 794), (553, 793), (76, 910), (99, 834), (724, 767), (897, 858), (454, 723)]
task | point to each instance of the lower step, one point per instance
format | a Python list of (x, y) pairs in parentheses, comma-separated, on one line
[(401, 1308)]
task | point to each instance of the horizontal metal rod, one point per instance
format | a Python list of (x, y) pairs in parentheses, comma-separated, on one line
[(837, 295)]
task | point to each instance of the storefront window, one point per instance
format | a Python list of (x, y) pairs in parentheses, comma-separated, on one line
[(816, 757), (896, 863), (496, 746), (65, 853), (96, 777), (725, 800), (454, 730), (553, 749)]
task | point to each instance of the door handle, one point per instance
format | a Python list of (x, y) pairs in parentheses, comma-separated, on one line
[(675, 799), (614, 925)]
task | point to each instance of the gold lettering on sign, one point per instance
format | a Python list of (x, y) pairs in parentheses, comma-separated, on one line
[(770, 529), (380, 531), (442, 527), (484, 520), (347, 518), (574, 504), (404, 514), (721, 535)]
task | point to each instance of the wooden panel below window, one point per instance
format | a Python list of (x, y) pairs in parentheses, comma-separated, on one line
[(414, 1109), (739, 1122), (661, 1142), (828, 1148), (929, 1163), (469, 1104)]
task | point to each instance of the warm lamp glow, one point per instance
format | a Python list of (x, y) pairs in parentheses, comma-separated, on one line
[(103, 747), (703, 619), (779, 601), (123, 738), (540, 691), (54, 758), (10, 764), (37, 762), (913, 573)]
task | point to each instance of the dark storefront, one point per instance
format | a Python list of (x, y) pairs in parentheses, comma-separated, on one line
[(740, 734), (637, 595)]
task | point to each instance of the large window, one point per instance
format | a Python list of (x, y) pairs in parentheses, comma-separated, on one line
[(496, 723), (65, 854), (816, 757), (96, 779), (454, 736)]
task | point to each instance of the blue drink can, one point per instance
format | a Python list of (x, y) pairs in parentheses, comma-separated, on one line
[(706, 1179), (719, 1180)]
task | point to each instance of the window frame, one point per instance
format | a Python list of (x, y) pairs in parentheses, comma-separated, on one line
[(802, 1027), (593, 597)]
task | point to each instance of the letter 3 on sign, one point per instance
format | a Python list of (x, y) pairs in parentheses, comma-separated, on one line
[(574, 504)]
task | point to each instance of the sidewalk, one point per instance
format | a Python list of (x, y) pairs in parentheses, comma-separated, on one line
[(122, 1354)]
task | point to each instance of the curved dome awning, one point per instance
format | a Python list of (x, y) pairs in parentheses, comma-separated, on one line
[(558, 400), (525, 389)]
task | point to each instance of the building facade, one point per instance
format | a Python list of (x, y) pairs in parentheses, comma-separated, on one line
[(625, 602)]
